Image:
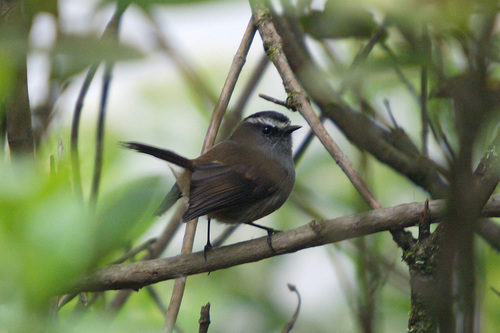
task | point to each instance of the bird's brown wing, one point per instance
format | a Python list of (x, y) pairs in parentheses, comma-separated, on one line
[(230, 182)]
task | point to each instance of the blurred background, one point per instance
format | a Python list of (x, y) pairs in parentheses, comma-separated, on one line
[(48, 237)]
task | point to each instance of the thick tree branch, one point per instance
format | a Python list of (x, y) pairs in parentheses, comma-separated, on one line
[(316, 233)]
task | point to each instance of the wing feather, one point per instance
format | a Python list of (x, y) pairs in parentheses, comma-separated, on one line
[(235, 178)]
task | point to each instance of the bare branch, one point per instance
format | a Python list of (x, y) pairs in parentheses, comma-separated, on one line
[(204, 318), (316, 233), (288, 328), (274, 100)]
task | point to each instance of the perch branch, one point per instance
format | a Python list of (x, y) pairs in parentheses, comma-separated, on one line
[(316, 233)]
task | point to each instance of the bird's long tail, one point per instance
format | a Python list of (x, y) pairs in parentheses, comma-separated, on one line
[(162, 154)]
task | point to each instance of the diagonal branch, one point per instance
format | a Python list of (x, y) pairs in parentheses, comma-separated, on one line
[(391, 148), (299, 100), (316, 233)]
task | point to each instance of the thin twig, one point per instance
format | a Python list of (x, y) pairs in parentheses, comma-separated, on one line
[(99, 144), (156, 298), (292, 321), (251, 84), (156, 249), (305, 143), (132, 253), (235, 115), (387, 105), (316, 233), (75, 159), (220, 108), (204, 318), (423, 90), (75, 125), (273, 41), (112, 32), (274, 100), (228, 231), (399, 72), (361, 56)]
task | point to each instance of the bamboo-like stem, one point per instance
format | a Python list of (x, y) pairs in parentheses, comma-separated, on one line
[(220, 108)]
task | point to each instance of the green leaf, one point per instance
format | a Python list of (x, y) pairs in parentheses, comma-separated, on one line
[(340, 19), (73, 53), (33, 7), (125, 213), (148, 3), (45, 235)]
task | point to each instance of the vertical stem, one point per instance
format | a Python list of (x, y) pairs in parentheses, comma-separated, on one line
[(220, 108), (110, 32), (99, 149), (75, 160), (423, 89)]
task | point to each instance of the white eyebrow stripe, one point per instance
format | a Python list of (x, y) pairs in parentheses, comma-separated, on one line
[(269, 121)]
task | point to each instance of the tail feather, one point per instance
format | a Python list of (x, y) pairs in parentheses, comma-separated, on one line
[(162, 154), (170, 199)]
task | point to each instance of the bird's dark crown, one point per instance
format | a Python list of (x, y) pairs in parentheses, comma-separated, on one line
[(269, 118)]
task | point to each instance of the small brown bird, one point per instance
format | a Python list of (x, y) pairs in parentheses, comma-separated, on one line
[(243, 178)]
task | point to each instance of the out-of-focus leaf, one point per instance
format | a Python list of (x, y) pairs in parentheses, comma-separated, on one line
[(443, 16), (73, 53), (13, 48), (493, 50), (33, 7), (7, 71), (148, 3), (47, 238), (125, 213), (340, 19), (44, 234)]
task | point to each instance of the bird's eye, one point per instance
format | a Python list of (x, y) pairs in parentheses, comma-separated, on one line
[(267, 130)]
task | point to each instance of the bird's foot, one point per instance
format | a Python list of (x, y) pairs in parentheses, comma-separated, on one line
[(206, 249)]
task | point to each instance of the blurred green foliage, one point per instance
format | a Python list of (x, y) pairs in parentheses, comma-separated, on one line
[(74, 53), (48, 238), (339, 19)]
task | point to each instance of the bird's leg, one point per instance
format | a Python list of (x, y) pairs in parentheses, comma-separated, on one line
[(270, 232), (208, 246)]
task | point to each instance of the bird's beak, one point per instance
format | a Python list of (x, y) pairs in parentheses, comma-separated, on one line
[(292, 128)]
